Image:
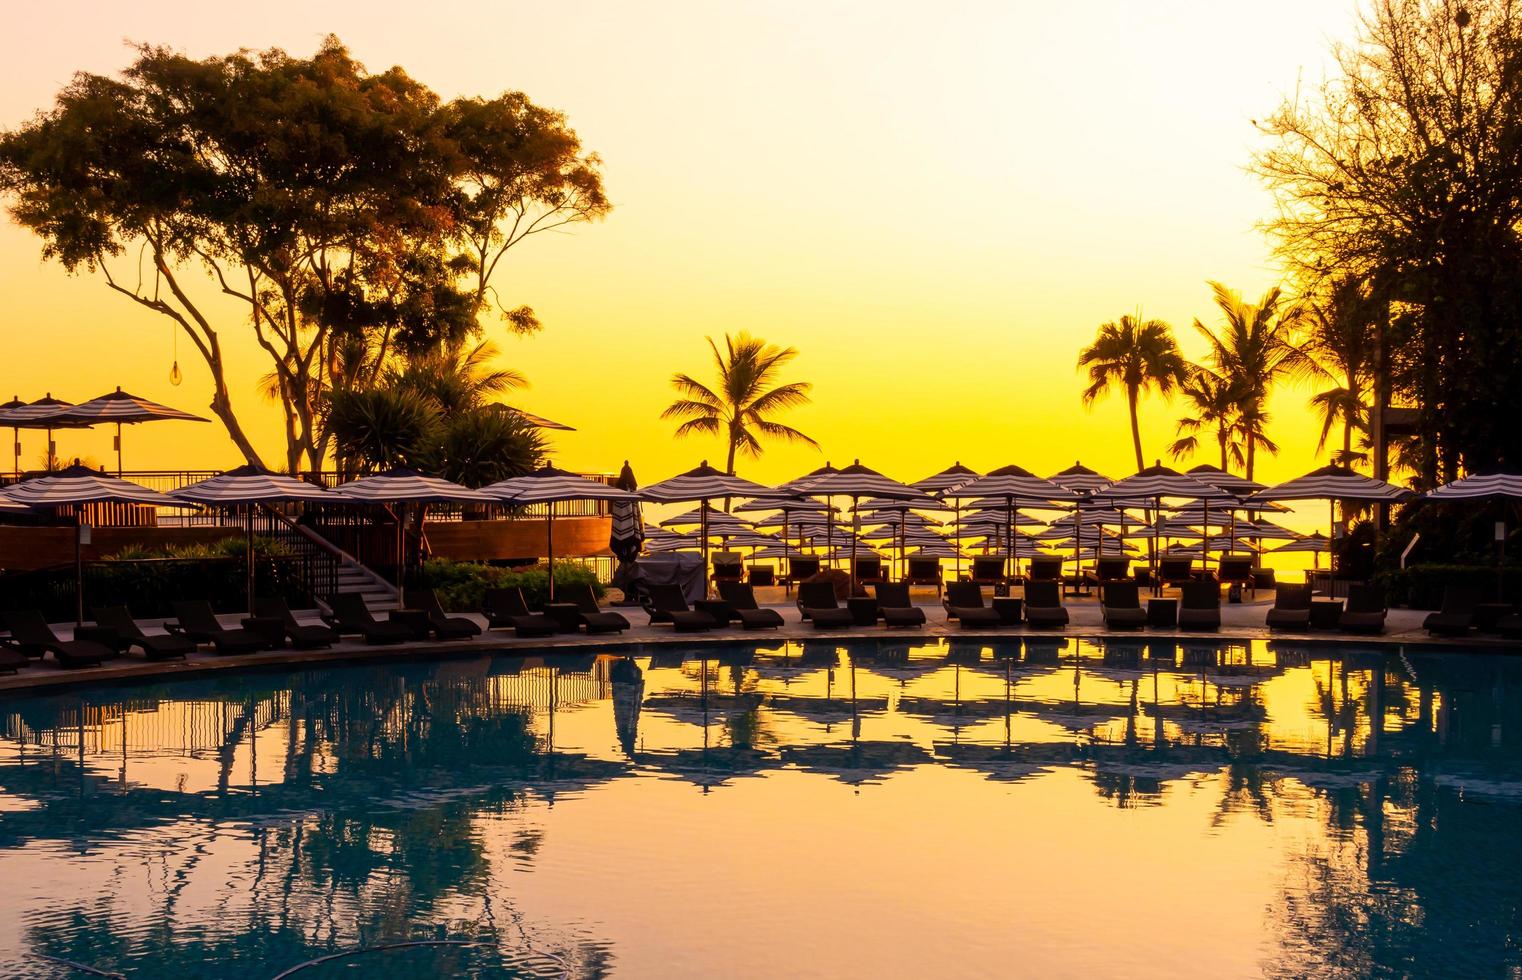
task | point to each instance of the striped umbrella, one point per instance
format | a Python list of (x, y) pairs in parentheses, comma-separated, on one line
[(656, 539), (1334, 483), (1316, 543), (947, 485), (1484, 486), (1152, 485), (1015, 483), (798, 485), (550, 486), (39, 414), (857, 481), (248, 486), (400, 487), (1081, 478), (75, 487), (1219, 478), (120, 408), (702, 483), (718, 522)]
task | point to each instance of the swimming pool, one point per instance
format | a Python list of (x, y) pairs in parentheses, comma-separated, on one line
[(949, 809)]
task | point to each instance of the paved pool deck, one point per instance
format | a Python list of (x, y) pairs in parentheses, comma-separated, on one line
[(1240, 622)]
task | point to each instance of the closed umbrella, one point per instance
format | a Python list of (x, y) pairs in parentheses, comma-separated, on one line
[(626, 534), (550, 486), (400, 487), (120, 408), (76, 486), (857, 481), (701, 484), (248, 486)]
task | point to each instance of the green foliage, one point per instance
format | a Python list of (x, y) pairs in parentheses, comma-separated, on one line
[(740, 409), (349, 214), (1136, 356), (1421, 586), (461, 585), (382, 428), (230, 547)]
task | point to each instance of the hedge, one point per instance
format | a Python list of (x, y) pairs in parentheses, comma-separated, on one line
[(1421, 586), (461, 585)]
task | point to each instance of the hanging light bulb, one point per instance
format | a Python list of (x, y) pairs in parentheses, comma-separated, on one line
[(175, 377)]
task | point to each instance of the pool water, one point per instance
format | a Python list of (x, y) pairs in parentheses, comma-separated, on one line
[(1045, 808)]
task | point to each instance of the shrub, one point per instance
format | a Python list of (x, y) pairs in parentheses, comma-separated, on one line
[(1421, 586), (462, 585)]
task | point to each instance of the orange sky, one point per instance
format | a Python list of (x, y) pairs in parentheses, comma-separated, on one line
[(936, 205)]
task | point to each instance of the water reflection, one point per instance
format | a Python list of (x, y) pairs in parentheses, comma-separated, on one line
[(1363, 805)]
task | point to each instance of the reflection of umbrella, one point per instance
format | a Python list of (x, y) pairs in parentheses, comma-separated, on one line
[(858, 762), (74, 487), (628, 690), (702, 484), (120, 408), (249, 485), (549, 486), (400, 487)]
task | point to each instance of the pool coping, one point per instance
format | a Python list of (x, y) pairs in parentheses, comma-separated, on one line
[(129, 669)]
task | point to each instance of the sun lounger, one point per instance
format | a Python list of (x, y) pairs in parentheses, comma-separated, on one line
[(925, 571), (593, 617), (1457, 614), (741, 597), (1109, 571), (869, 570), (506, 609), (1043, 605), (1121, 605), (964, 603), (668, 605), (1200, 605), (1291, 609), (818, 604), (1175, 571), (162, 646), (895, 607), (303, 636), (351, 617), (1234, 570), (196, 621), (988, 570), (1365, 612), (443, 625), (1044, 569), (31, 636), (800, 568)]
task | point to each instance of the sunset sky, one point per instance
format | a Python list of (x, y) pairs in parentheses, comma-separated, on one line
[(937, 204)]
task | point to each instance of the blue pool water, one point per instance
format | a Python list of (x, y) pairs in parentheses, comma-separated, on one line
[(1040, 808)]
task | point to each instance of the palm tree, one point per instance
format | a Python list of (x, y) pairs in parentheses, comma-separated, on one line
[(1340, 345), (1137, 355), (1253, 349), (1213, 408), (747, 395)]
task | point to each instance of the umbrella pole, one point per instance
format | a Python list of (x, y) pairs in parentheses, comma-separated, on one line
[(957, 510), (79, 566), (855, 534), (250, 558), (703, 544), (401, 558), (118, 450), (549, 548)]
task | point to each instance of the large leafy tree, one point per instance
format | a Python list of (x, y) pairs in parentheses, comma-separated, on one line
[(739, 408), (351, 214), (1403, 170), (1136, 356), (1252, 349)]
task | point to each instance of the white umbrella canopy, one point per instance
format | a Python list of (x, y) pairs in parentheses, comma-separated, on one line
[(77, 486), (121, 408), (701, 484), (1217, 477), (246, 486), (40, 414), (800, 485), (550, 486), (1334, 483)]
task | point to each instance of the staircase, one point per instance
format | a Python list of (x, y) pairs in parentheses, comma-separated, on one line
[(327, 569)]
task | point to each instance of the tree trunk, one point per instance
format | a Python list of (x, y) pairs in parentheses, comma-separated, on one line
[(1220, 438), (1252, 452), (1135, 428), (222, 407)]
